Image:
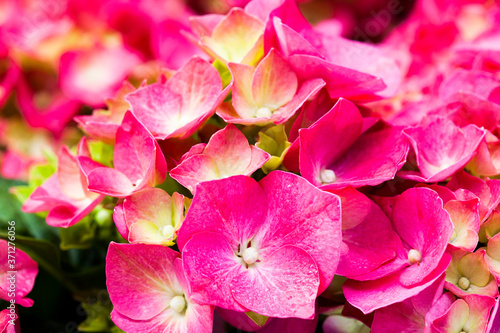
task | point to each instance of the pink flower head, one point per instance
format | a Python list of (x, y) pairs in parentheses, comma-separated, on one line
[(468, 274), (64, 194), (179, 107), (353, 70), (137, 158), (150, 216), (236, 37), (103, 124), (269, 247), (47, 107), (226, 154), (343, 149), (93, 76), (268, 93), (25, 273), (149, 291), (441, 148), (469, 314), (424, 228)]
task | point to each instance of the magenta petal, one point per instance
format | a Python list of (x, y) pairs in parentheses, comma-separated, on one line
[(303, 216), (110, 182), (238, 218), (442, 148), (211, 264), (144, 272), (372, 295), (366, 232), (284, 284), (422, 223)]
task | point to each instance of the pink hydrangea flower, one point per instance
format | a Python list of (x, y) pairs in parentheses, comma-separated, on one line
[(149, 291), (468, 274), (93, 76), (268, 93), (441, 148), (26, 272), (343, 149), (150, 216), (226, 154), (5, 319), (137, 158), (424, 229), (469, 314), (64, 194), (180, 106), (269, 247)]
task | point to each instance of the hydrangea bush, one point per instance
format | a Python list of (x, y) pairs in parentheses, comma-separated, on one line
[(261, 166)]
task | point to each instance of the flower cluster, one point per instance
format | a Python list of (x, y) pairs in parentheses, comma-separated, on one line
[(262, 172)]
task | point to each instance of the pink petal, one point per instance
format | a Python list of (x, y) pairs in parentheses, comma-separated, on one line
[(237, 218), (303, 216), (366, 233), (442, 148), (110, 182), (285, 284), (274, 83), (211, 264), (371, 295), (423, 224), (141, 279)]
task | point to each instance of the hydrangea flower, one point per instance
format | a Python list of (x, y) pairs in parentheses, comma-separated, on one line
[(268, 247)]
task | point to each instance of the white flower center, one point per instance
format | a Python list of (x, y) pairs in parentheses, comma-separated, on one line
[(414, 256), (327, 176), (167, 231), (250, 255), (464, 283), (178, 304), (263, 113)]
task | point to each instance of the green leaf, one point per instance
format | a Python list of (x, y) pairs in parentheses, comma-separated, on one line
[(224, 72), (78, 236), (275, 142), (101, 152), (257, 318)]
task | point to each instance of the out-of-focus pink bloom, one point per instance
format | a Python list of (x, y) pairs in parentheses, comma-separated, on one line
[(424, 228), (103, 124), (64, 194), (46, 108), (137, 159), (267, 247), (469, 314), (237, 37), (343, 149), (5, 319), (441, 148), (150, 216), (269, 93), (149, 291), (9, 74), (468, 274), (179, 107), (95, 75), (226, 154), (24, 274)]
